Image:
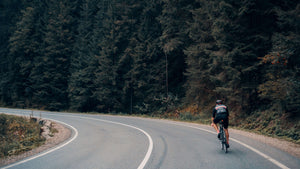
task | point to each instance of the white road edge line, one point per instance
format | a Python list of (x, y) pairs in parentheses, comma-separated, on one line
[(280, 165), (51, 150), (150, 148)]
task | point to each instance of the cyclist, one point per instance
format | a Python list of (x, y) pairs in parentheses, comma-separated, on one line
[(221, 112)]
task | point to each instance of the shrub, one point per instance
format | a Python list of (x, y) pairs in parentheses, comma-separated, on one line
[(18, 134)]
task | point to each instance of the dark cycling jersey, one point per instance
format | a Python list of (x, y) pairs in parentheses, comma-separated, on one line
[(221, 112)]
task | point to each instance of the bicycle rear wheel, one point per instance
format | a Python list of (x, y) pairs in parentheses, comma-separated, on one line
[(223, 140), (224, 143), (223, 137)]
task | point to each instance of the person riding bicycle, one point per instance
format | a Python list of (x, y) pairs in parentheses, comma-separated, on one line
[(221, 112)]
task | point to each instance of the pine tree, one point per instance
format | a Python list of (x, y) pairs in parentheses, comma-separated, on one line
[(144, 80), (222, 62), (173, 40), (51, 72), (200, 83), (281, 78), (107, 80), (128, 59), (24, 46), (10, 12), (83, 61)]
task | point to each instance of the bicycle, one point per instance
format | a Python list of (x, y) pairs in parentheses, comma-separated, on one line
[(223, 137)]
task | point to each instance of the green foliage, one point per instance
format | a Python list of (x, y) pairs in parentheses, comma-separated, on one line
[(9, 14), (274, 124), (281, 82), (188, 117), (83, 61), (23, 48), (51, 72), (151, 56), (18, 134)]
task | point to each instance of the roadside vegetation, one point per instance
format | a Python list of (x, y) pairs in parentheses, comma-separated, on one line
[(18, 134), (269, 123), (273, 124)]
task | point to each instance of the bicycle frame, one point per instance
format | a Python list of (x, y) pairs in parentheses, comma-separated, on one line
[(222, 136)]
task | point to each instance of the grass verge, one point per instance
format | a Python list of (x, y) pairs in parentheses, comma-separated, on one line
[(18, 134)]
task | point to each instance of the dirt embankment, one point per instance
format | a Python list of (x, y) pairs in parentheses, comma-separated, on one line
[(52, 139)]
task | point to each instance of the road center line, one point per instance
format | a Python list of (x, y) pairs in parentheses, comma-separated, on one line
[(243, 144)]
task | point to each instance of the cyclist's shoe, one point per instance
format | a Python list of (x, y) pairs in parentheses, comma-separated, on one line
[(227, 146), (219, 135)]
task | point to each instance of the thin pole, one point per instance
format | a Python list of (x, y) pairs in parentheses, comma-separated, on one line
[(167, 78)]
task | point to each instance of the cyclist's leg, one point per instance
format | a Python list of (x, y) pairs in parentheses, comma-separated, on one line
[(214, 124), (216, 127), (226, 121), (227, 135)]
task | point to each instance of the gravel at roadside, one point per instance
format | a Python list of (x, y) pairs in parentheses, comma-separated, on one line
[(289, 147)]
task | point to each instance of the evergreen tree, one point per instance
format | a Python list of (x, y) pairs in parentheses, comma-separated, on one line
[(24, 46), (124, 55), (142, 60), (281, 78), (10, 11), (231, 69), (128, 60), (173, 40), (107, 80), (200, 83), (83, 61), (51, 72)]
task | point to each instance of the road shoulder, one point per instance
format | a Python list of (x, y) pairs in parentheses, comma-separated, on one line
[(286, 146)]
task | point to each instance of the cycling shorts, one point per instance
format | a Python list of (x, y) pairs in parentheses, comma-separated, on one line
[(222, 117)]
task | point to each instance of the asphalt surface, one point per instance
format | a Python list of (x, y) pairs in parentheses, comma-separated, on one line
[(116, 142)]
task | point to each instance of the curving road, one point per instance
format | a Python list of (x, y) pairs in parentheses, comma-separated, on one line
[(116, 142)]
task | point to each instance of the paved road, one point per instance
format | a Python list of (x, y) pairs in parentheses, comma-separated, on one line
[(115, 142)]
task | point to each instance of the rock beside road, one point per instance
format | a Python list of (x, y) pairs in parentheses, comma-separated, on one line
[(46, 129)]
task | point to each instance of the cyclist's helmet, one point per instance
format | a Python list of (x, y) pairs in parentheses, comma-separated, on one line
[(219, 102)]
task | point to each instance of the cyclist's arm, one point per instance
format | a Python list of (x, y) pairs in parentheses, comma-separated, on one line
[(212, 121), (213, 116), (214, 113)]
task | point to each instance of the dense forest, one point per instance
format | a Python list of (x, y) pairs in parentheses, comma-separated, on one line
[(151, 56)]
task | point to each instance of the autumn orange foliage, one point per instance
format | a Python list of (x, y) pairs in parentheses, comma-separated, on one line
[(274, 58)]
